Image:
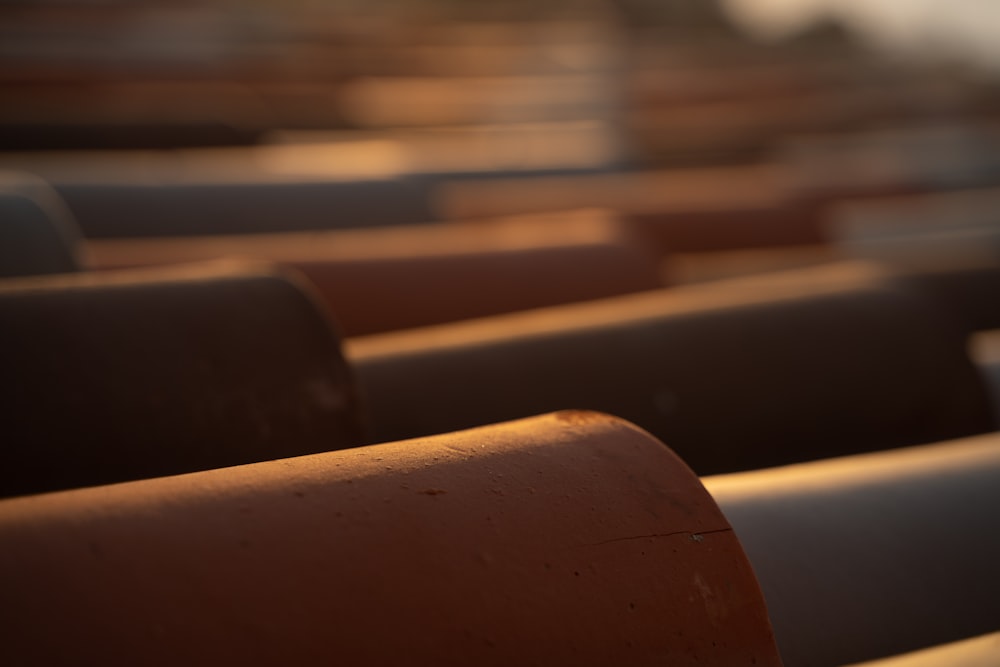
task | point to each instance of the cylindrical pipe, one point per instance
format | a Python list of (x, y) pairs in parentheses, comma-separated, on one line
[(691, 210), (37, 232), (124, 209), (133, 374), (569, 539), (736, 375), (387, 279), (970, 290), (873, 555)]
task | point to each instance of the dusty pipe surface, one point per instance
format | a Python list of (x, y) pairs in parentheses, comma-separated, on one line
[(38, 234), (568, 539), (395, 278), (874, 555), (133, 374), (735, 376)]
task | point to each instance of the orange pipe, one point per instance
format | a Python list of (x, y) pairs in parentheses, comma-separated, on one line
[(397, 278), (569, 539)]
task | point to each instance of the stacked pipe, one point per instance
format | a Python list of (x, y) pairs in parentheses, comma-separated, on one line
[(427, 393), (470, 503)]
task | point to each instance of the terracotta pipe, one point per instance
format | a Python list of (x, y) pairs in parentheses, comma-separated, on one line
[(409, 101), (293, 155), (679, 210), (76, 134), (781, 202), (254, 206), (906, 216), (976, 652), (85, 109), (135, 374), (676, 210), (402, 277), (917, 159), (946, 242), (736, 375), (964, 285), (569, 539), (374, 179), (701, 267), (925, 249), (38, 234), (873, 555), (735, 130), (968, 289), (667, 81), (984, 348)]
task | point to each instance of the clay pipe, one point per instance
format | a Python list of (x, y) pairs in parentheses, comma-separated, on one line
[(874, 555), (38, 234), (689, 210), (395, 278), (735, 375), (133, 374), (569, 539), (116, 210)]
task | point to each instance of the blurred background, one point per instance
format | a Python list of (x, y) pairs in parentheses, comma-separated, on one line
[(817, 127), (576, 83)]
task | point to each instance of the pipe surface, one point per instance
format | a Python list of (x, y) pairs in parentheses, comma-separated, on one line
[(114, 210), (680, 210), (735, 375), (569, 539), (134, 374), (38, 234), (402, 277), (875, 555)]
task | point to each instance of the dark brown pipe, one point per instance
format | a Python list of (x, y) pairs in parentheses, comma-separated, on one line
[(126, 375), (570, 539), (37, 233), (874, 555), (402, 277), (965, 285), (970, 290), (113, 210), (691, 210), (736, 375)]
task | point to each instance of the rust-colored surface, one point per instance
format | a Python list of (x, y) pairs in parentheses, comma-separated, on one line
[(133, 374), (681, 210), (569, 539), (734, 375), (402, 277), (689, 210)]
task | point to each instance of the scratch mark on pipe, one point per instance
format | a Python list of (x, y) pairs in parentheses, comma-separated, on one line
[(695, 536)]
